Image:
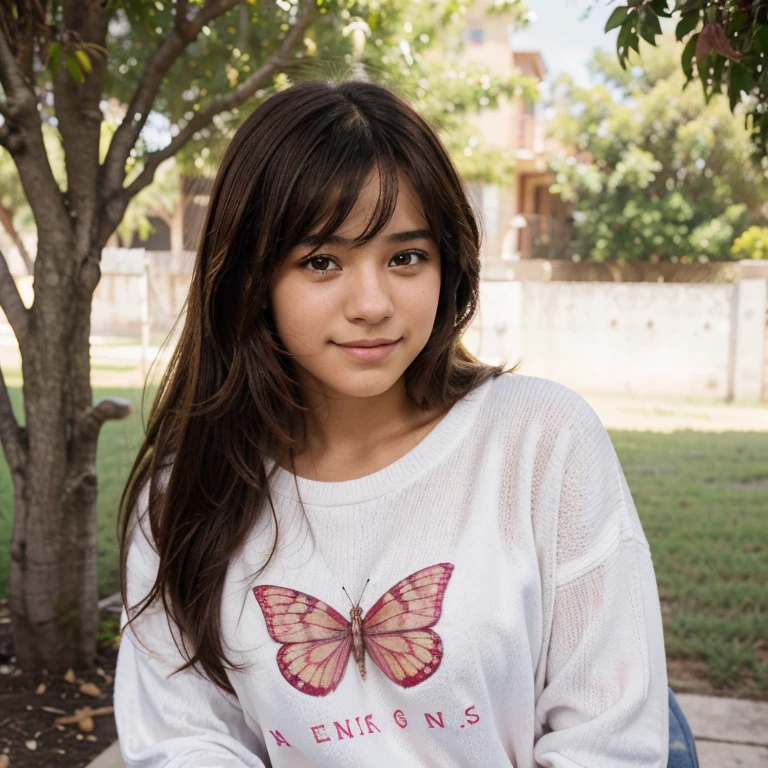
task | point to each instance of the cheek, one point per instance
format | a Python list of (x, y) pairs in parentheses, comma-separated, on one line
[(300, 313), (418, 301)]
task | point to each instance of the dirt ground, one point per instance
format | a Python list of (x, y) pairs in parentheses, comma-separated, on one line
[(31, 703), (659, 414)]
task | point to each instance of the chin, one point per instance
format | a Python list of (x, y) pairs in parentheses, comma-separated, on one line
[(361, 384)]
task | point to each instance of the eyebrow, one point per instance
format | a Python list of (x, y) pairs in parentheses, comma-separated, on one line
[(395, 237)]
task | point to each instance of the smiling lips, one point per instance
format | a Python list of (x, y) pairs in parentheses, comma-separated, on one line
[(368, 351)]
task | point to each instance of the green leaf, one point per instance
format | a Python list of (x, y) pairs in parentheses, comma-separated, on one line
[(703, 67), (616, 18), (623, 41), (738, 21), (74, 69), (739, 79), (717, 75), (54, 57), (649, 26), (660, 7), (687, 58), (687, 24), (760, 40), (633, 40)]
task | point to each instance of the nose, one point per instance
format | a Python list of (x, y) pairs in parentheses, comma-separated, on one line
[(369, 295)]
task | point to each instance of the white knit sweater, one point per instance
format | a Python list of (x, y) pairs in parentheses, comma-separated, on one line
[(511, 618)]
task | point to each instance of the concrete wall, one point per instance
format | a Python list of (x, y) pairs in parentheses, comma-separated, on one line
[(680, 339), (629, 338), (545, 270)]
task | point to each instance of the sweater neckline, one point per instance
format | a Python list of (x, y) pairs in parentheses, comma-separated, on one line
[(428, 452)]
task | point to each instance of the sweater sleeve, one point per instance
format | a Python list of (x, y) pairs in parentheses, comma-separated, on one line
[(604, 703), (175, 721)]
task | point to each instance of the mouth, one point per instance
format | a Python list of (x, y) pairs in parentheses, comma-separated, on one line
[(369, 353)]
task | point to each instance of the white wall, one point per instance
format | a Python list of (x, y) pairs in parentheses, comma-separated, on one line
[(628, 338)]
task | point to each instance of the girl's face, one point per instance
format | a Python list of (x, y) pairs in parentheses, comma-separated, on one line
[(387, 289)]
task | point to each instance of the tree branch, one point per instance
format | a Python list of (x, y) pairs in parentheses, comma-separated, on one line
[(261, 77), (11, 76), (109, 409), (115, 207), (11, 303), (160, 62), (10, 432)]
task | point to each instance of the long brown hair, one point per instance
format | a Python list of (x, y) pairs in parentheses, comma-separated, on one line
[(229, 397)]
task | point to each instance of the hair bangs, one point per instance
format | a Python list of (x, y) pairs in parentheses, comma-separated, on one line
[(330, 185)]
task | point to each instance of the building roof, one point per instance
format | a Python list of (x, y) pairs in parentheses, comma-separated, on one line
[(531, 62)]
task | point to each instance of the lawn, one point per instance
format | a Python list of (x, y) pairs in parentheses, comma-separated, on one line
[(703, 501)]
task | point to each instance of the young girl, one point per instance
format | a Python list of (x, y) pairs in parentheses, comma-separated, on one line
[(345, 541)]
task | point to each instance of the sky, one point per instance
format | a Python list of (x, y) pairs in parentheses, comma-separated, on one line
[(565, 40)]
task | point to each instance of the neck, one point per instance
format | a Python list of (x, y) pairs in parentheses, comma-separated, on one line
[(348, 426)]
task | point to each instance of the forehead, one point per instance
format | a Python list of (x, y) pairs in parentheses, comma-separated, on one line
[(407, 221)]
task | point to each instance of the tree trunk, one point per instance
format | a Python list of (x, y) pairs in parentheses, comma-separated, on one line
[(53, 553), (53, 590)]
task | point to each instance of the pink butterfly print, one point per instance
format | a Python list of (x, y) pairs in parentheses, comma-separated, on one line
[(317, 640)]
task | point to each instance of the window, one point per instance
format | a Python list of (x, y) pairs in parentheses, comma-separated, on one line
[(474, 35)]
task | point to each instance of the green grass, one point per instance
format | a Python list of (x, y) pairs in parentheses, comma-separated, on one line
[(703, 501), (702, 498)]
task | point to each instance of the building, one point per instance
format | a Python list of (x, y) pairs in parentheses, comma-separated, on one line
[(524, 220)]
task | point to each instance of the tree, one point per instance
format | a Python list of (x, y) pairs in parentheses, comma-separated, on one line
[(201, 66), (662, 175), (726, 39)]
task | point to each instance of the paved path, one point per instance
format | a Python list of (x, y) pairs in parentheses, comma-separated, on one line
[(729, 733)]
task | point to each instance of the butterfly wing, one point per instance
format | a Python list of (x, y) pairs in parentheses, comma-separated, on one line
[(396, 628), (317, 667), (293, 617), (317, 639), (413, 603), (406, 658)]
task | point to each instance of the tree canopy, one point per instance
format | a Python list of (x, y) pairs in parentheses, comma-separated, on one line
[(726, 42), (662, 174)]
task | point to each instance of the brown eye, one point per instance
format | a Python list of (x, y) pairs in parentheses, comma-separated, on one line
[(419, 255), (316, 264)]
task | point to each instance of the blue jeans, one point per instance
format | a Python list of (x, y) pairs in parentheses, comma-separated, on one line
[(682, 750)]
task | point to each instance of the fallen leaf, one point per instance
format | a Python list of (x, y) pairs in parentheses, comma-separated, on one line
[(86, 724), (91, 689), (40, 689), (69, 676), (101, 673)]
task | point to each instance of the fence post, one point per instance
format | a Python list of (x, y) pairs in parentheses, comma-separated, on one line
[(748, 339), (144, 293)]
